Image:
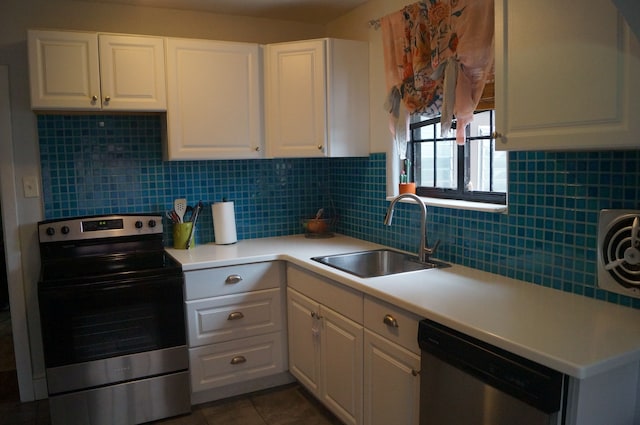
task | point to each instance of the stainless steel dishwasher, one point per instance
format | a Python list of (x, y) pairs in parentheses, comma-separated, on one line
[(464, 381)]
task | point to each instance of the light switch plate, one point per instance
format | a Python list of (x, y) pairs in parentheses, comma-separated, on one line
[(30, 186)]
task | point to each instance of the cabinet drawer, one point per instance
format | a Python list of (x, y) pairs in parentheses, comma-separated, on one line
[(233, 279), (231, 362), (234, 316), (342, 299), (391, 322)]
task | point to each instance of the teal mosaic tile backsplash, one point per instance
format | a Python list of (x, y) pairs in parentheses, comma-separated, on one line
[(99, 164), (108, 164), (548, 237)]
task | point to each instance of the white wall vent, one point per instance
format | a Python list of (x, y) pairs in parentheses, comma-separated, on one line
[(619, 251)]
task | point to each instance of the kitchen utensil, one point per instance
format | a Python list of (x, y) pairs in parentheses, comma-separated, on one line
[(171, 215), (194, 219), (180, 207), (189, 212), (316, 225)]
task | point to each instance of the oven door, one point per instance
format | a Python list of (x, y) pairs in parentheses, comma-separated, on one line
[(92, 321)]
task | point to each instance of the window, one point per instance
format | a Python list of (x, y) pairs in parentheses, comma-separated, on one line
[(442, 169)]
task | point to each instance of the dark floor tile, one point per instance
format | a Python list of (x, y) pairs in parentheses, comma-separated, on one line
[(195, 418), (9, 386), (292, 406), (233, 412), (16, 413)]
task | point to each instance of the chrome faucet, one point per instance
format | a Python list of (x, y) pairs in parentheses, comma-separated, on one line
[(424, 252)]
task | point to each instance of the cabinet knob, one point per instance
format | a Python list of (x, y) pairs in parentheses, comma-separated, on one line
[(107, 98), (415, 372), (238, 360), (94, 98), (236, 315), (320, 147), (257, 148), (233, 278), (389, 320), (498, 136)]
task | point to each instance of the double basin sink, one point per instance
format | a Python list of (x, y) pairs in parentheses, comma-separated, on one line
[(379, 262)]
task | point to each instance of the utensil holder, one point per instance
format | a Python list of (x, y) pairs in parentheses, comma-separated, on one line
[(181, 233)]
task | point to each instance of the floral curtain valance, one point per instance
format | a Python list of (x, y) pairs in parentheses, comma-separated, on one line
[(438, 56)]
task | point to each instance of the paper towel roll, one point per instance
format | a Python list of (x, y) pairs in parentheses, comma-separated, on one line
[(224, 223)]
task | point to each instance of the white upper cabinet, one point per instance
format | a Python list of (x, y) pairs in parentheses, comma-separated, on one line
[(132, 73), (88, 71), (64, 70), (566, 76), (214, 100), (317, 98)]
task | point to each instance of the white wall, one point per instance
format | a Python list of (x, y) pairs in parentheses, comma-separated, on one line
[(356, 25)]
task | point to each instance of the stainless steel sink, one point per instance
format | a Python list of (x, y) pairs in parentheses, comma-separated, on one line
[(379, 262)]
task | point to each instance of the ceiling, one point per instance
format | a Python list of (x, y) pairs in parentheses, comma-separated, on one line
[(310, 11)]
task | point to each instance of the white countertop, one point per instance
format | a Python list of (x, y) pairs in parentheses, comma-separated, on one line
[(573, 334)]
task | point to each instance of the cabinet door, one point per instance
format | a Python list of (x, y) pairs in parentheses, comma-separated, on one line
[(64, 70), (132, 73), (391, 382), (566, 76), (296, 101), (341, 353), (214, 98), (304, 339)]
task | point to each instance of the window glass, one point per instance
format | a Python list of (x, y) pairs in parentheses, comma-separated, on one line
[(441, 168)]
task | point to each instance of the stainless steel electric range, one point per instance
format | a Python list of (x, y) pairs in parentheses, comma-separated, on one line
[(113, 327)]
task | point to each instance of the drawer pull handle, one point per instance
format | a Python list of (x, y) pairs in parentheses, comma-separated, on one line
[(233, 278), (389, 320), (238, 360), (236, 315)]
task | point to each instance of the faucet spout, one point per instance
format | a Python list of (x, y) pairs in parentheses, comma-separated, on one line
[(388, 218), (423, 250)]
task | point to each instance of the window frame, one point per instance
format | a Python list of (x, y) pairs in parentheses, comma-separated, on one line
[(463, 165)]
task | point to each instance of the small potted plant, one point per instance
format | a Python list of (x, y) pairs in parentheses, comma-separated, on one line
[(405, 186)]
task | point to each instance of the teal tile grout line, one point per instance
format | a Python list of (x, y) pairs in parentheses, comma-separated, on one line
[(103, 164)]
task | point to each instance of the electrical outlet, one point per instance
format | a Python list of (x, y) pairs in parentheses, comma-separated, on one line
[(30, 186)]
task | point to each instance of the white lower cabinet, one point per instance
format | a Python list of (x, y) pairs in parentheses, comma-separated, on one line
[(304, 340), (236, 332), (391, 365), (391, 382), (326, 346), (231, 362), (341, 358)]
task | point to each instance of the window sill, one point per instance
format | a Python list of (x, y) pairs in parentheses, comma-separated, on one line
[(458, 205)]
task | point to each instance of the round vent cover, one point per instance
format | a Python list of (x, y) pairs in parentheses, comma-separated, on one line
[(619, 251)]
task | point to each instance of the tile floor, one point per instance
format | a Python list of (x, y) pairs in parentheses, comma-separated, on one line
[(285, 405)]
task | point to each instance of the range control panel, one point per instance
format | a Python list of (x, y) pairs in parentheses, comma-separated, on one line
[(94, 227)]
